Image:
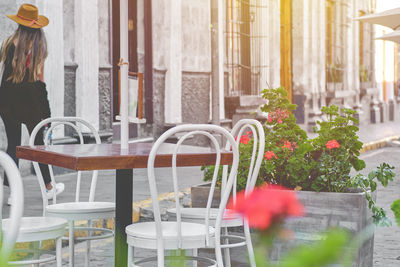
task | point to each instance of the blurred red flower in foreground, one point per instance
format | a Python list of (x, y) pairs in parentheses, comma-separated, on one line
[(332, 144), (266, 205)]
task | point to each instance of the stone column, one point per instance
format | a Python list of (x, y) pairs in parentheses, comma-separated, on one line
[(105, 67), (54, 65), (313, 46), (274, 47), (321, 39), (87, 57), (173, 89)]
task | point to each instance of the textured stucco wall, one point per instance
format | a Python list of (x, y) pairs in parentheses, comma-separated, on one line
[(105, 98), (181, 43), (54, 65), (158, 101), (7, 26), (104, 80), (104, 32), (69, 32), (87, 58), (196, 43), (195, 97), (70, 93)]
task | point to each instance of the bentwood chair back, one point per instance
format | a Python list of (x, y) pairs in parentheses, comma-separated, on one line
[(17, 206), (255, 136), (77, 124), (78, 210), (169, 235), (254, 130)]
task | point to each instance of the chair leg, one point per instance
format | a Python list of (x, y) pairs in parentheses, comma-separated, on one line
[(195, 254), (87, 256), (160, 255), (218, 255), (58, 252), (227, 253), (249, 245), (130, 255), (71, 244), (36, 254)]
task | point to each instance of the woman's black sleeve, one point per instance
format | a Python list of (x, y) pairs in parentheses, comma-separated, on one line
[(43, 100)]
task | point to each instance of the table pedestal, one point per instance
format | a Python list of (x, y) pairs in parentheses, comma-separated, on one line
[(123, 213)]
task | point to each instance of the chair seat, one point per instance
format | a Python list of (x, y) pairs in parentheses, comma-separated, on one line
[(144, 235), (38, 228), (82, 210), (198, 215)]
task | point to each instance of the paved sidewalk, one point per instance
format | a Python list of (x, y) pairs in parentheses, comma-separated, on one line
[(387, 241)]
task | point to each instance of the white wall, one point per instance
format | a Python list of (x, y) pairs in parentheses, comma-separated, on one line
[(87, 58)]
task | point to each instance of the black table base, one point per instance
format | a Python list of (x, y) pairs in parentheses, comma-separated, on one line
[(123, 213)]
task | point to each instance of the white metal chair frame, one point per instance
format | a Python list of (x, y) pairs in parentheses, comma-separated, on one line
[(230, 240), (179, 239), (73, 211), (254, 168), (17, 207), (27, 229)]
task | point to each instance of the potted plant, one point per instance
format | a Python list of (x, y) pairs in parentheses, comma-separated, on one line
[(321, 170)]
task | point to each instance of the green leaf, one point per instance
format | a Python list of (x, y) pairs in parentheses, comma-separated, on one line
[(322, 253), (358, 164), (395, 207)]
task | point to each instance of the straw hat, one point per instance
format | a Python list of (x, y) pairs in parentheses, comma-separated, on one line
[(28, 15)]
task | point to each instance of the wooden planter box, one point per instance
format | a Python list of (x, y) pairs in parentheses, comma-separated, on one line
[(323, 211), (199, 196), (326, 210)]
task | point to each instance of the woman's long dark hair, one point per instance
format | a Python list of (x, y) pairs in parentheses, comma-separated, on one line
[(28, 41)]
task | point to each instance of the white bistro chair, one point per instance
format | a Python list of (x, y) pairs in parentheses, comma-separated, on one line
[(9, 236), (169, 235), (198, 214), (27, 229), (78, 210)]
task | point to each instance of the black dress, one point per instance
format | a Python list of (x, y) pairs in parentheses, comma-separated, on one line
[(24, 102)]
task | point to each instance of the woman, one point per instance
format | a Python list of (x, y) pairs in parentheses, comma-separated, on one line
[(23, 95)]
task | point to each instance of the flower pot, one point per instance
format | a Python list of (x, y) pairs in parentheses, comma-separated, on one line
[(326, 210), (323, 211), (199, 195)]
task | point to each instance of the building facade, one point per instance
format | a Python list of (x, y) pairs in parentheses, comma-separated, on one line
[(314, 48)]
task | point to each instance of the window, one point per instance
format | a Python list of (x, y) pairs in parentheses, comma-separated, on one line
[(245, 45)]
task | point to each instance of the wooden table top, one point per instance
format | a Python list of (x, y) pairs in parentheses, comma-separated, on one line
[(110, 156)]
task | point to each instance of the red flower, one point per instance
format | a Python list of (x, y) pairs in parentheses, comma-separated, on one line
[(287, 145), (332, 144), (269, 118), (244, 139), (269, 154), (266, 205), (277, 116)]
